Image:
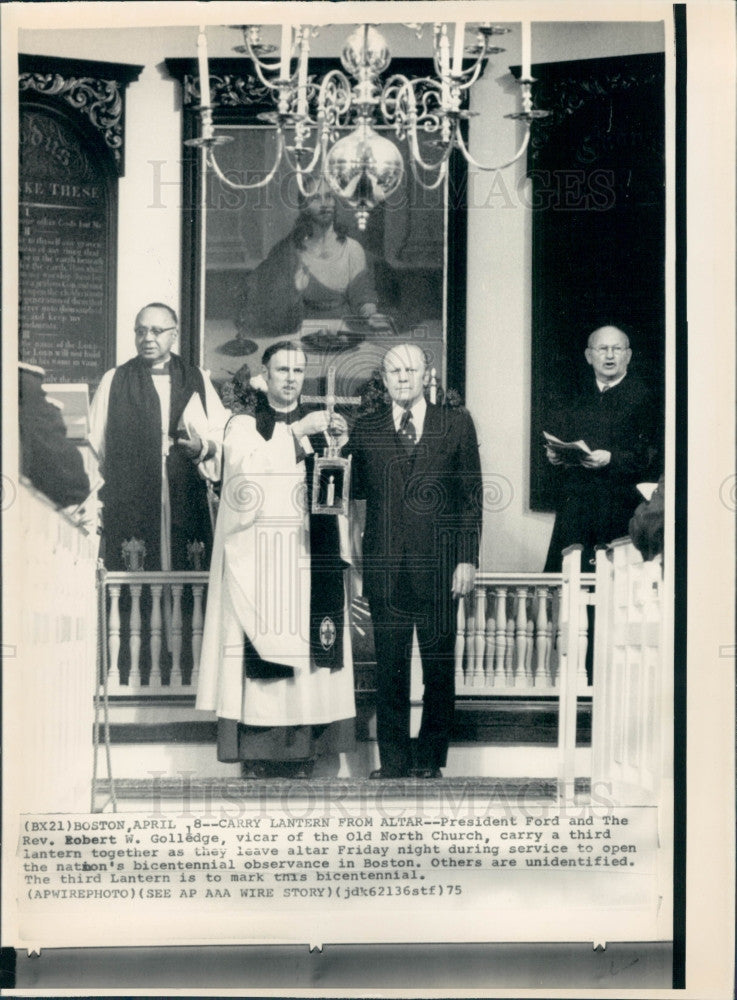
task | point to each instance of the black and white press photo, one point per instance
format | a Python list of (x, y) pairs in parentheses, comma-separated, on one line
[(363, 443)]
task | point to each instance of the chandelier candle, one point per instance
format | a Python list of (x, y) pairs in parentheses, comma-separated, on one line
[(526, 50), (202, 66), (444, 69), (302, 75), (286, 51), (458, 48)]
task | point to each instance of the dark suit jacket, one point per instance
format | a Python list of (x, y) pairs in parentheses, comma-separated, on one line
[(423, 512), (49, 459), (647, 524)]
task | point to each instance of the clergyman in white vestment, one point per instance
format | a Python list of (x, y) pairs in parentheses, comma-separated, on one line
[(276, 671)]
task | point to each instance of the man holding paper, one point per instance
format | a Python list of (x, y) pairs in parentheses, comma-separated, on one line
[(156, 426), (602, 446)]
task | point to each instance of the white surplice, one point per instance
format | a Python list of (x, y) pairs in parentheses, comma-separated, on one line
[(260, 584), (207, 426)]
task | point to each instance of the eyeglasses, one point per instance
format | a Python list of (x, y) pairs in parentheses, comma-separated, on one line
[(141, 331), (616, 349)]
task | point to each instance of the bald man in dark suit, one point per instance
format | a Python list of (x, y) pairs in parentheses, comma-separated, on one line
[(417, 466)]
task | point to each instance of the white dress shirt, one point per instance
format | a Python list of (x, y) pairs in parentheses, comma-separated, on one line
[(603, 386), (418, 411)]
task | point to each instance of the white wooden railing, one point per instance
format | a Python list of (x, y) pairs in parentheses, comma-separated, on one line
[(154, 631), (633, 703), (508, 640), (519, 634)]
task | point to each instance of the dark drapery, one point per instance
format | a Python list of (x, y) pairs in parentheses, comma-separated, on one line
[(597, 166)]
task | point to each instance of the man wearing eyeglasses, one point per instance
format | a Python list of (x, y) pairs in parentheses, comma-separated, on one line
[(615, 416), (157, 427)]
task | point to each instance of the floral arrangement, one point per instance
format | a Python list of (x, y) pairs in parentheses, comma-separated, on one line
[(374, 395), (238, 395)]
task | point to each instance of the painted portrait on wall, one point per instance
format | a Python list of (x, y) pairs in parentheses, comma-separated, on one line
[(288, 260)]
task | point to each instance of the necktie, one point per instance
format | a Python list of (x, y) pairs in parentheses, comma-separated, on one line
[(407, 432)]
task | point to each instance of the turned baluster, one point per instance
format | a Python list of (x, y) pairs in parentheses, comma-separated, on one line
[(542, 638), (134, 677), (469, 647), (530, 647), (489, 644), (480, 636), (113, 634), (520, 637), (510, 668), (176, 635), (197, 591), (460, 641), (154, 680), (500, 594), (555, 638)]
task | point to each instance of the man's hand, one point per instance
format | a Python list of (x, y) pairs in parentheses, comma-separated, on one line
[(464, 577), (301, 278), (192, 446), (312, 423), (338, 429), (553, 456), (597, 459)]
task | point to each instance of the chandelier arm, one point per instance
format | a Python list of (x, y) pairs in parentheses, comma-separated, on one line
[(301, 185), (417, 155), (499, 166), (391, 97), (342, 91), (294, 163), (399, 106), (442, 169), (258, 184), (473, 74), (436, 49), (321, 148), (261, 67)]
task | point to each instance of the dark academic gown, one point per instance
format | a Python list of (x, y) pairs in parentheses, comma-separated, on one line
[(423, 517), (594, 505)]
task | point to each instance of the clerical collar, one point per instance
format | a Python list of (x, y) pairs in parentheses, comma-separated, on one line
[(160, 369), (284, 416), (267, 417), (603, 386)]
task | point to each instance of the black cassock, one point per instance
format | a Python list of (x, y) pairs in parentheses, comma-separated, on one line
[(594, 505)]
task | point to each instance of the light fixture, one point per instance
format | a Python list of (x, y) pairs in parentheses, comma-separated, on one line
[(363, 167)]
